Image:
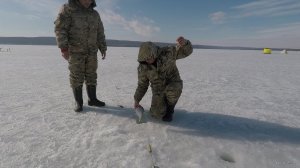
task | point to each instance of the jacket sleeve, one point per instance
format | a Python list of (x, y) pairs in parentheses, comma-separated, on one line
[(101, 42), (143, 84), (62, 27), (184, 51)]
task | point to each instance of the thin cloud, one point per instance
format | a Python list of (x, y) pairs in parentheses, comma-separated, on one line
[(19, 15), (283, 36), (143, 27), (218, 17), (269, 8), (286, 30), (34, 10), (108, 4), (41, 8)]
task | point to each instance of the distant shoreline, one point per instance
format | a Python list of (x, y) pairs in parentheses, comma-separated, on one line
[(116, 43)]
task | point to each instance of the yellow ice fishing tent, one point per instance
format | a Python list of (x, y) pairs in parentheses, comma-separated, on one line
[(267, 51)]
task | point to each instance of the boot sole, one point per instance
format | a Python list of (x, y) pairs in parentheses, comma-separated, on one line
[(78, 110), (90, 104)]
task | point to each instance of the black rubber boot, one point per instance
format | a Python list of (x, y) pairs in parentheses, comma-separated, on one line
[(169, 114), (93, 101), (78, 99)]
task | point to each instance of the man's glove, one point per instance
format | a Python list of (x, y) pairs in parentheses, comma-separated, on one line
[(137, 105), (103, 53), (181, 41), (65, 53)]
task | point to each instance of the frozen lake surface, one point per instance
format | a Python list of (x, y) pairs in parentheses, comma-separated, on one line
[(238, 109)]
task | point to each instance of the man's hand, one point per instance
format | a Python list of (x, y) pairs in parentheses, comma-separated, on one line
[(136, 105), (65, 53), (181, 41), (103, 53)]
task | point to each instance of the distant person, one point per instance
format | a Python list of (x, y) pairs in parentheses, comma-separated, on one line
[(157, 66), (79, 34)]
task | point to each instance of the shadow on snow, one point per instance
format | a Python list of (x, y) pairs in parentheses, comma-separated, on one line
[(216, 125)]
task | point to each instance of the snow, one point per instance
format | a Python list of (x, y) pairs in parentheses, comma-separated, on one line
[(238, 109)]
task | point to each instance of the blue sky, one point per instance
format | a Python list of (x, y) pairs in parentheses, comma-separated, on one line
[(256, 23)]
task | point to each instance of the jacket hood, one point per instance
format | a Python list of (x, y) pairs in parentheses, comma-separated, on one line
[(147, 50), (75, 3)]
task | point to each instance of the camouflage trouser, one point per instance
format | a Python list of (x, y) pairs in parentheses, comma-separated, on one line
[(170, 96), (83, 68)]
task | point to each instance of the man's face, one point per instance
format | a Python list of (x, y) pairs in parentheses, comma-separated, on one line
[(86, 3), (150, 60)]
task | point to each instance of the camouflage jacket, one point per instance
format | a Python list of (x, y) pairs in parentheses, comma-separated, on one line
[(79, 29), (162, 72)]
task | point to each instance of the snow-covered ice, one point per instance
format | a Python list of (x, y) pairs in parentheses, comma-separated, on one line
[(238, 109)]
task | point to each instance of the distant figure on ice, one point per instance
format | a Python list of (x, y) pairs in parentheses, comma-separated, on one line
[(7, 50), (79, 34), (284, 51), (157, 66)]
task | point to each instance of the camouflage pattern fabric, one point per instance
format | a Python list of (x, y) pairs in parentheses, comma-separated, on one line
[(163, 75), (147, 50), (78, 73), (81, 31)]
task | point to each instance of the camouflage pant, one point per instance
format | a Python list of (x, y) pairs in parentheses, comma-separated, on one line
[(83, 68), (170, 95)]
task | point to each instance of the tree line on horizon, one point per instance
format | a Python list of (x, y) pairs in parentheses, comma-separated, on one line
[(116, 43)]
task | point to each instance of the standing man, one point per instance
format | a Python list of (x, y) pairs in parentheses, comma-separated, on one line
[(79, 34), (157, 66)]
